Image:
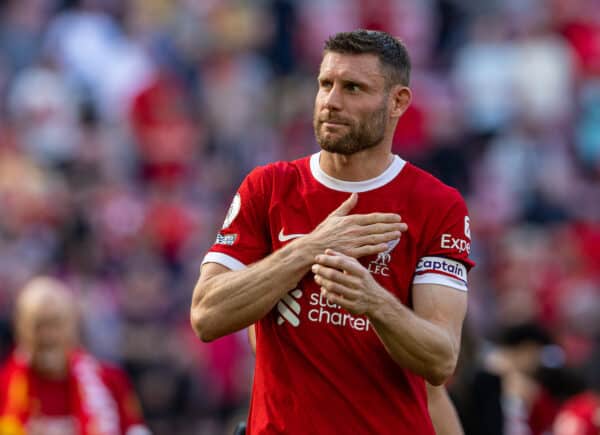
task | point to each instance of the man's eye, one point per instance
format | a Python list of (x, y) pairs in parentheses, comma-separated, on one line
[(353, 87)]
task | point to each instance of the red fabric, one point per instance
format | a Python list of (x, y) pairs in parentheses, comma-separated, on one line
[(585, 40), (165, 131), (169, 224), (579, 416), (324, 371), (542, 413), (27, 400)]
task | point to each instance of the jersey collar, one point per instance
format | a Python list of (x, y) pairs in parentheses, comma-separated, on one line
[(355, 186)]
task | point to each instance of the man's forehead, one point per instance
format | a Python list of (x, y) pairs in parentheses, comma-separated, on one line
[(366, 66)]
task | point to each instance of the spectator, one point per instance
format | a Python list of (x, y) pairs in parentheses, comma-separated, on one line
[(50, 385)]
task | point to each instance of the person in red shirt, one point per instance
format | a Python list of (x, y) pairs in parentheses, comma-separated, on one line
[(50, 385), (352, 264)]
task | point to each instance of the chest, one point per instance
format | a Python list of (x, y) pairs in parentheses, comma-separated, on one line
[(298, 212)]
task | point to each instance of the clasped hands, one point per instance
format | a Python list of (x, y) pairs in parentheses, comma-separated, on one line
[(345, 238)]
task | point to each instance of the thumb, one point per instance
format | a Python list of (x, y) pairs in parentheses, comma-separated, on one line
[(346, 206)]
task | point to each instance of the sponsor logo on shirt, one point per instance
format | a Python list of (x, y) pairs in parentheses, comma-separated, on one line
[(226, 239), (444, 266), (323, 311), (320, 311), (456, 243), (289, 309)]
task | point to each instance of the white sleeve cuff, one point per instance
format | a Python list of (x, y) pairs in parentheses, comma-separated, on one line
[(224, 260)]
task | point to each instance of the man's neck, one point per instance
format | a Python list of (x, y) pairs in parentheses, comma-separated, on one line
[(360, 166)]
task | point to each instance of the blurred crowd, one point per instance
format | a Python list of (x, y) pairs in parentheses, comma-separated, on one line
[(127, 125)]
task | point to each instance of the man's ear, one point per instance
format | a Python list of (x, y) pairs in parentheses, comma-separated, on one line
[(401, 97)]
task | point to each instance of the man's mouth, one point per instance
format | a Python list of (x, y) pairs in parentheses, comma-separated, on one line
[(333, 122)]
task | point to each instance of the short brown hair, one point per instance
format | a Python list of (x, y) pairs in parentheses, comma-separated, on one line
[(391, 52)]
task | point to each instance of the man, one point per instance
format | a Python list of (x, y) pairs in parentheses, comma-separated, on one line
[(50, 386), (352, 263)]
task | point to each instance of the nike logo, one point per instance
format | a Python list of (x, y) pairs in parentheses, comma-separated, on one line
[(285, 237)]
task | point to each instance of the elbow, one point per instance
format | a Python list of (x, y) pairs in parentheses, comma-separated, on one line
[(200, 325), (437, 379), (440, 372)]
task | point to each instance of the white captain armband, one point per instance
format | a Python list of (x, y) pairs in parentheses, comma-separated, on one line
[(442, 271)]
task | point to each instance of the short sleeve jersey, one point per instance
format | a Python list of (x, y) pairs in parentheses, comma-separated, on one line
[(319, 369)]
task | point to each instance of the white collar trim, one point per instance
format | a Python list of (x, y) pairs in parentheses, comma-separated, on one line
[(355, 186)]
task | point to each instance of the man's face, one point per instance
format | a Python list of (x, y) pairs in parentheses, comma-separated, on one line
[(351, 107), (47, 333)]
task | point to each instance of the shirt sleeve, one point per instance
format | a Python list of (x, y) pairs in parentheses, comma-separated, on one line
[(445, 260), (244, 237)]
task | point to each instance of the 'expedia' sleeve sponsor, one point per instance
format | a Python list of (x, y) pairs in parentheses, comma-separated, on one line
[(244, 238), (447, 247)]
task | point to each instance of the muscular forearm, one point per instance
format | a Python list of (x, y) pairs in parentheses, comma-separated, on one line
[(230, 301), (415, 343)]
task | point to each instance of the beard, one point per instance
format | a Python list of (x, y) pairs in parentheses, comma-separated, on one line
[(362, 135)]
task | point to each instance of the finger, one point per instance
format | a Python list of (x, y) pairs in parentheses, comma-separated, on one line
[(333, 286), (380, 228), (366, 250), (335, 275), (376, 239), (375, 218), (340, 261), (334, 298), (346, 206)]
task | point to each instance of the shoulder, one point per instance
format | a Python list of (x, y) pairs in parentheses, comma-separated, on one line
[(428, 189), (276, 174)]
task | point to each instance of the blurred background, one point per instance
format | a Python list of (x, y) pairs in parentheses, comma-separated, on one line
[(127, 125)]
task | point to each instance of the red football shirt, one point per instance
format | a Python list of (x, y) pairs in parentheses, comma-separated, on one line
[(319, 369)]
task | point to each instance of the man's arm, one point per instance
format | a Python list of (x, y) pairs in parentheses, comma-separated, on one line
[(441, 409), (426, 340), (226, 301)]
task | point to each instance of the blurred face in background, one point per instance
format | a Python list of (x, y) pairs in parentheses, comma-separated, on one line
[(352, 103), (46, 327)]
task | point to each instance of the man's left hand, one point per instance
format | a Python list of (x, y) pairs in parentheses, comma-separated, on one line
[(347, 283)]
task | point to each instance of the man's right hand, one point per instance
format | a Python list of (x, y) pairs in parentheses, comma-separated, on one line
[(356, 235)]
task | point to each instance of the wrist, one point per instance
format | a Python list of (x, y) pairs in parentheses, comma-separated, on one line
[(383, 305), (297, 256), (307, 248)]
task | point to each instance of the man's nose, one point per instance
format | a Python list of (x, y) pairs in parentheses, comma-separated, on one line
[(334, 98)]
